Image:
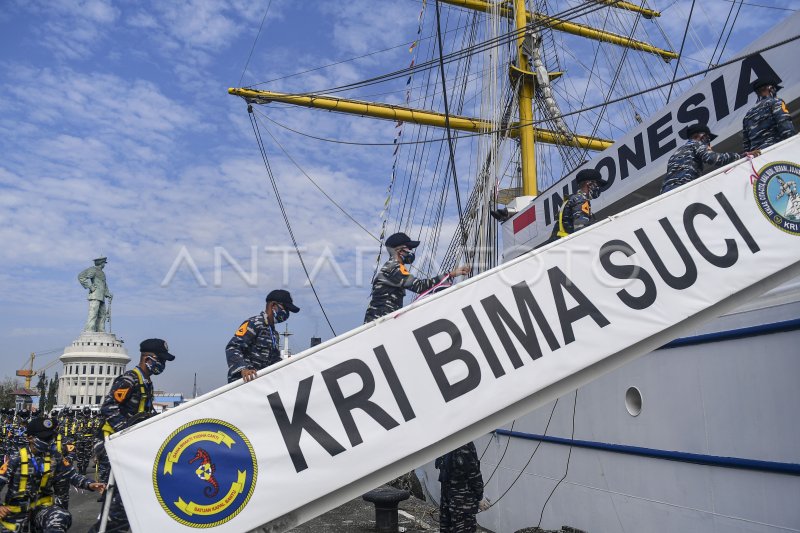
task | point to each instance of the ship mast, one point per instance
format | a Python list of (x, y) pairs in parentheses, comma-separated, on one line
[(527, 148), (526, 131)]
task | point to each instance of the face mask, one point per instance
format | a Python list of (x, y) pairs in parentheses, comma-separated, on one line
[(594, 191), (41, 446), (408, 257), (155, 366), (280, 315)]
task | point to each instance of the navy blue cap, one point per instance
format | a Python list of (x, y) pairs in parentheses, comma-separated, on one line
[(589, 174), (694, 129), (761, 82), (158, 347), (400, 239), (283, 297), (42, 428)]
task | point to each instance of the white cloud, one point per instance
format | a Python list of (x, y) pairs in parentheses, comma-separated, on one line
[(72, 29)]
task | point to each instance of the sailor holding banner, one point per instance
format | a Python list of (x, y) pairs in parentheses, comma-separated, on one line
[(129, 401), (256, 344), (686, 164), (390, 284), (768, 122), (576, 211)]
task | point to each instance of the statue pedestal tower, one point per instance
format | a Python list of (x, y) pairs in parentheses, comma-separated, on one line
[(91, 363), (96, 358)]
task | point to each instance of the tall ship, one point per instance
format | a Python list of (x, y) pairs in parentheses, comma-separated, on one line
[(695, 436), (501, 104)]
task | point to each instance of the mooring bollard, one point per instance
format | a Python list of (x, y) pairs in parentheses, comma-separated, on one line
[(386, 499)]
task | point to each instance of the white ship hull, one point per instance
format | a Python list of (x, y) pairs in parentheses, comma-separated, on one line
[(716, 446)]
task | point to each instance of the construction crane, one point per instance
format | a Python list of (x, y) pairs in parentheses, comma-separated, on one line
[(28, 373)]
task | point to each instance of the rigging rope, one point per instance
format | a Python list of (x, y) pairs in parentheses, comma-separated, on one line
[(511, 127), (262, 149), (522, 470), (615, 79), (355, 58), (320, 189), (447, 127), (569, 456), (762, 5), (730, 32), (384, 215), (502, 456), (680, 52), (567, 15), (438, 194), (246, 63), (719, 40)]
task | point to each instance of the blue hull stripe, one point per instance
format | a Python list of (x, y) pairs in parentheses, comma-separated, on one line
[(752, 331), (709, 460)]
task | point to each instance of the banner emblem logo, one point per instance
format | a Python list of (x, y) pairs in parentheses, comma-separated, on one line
[(205, 473), (777, 192)]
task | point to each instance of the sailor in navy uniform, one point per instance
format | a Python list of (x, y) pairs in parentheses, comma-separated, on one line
[(461, 490), (128, 402), (576, 211), (393, 279), (768, 122), (686, 164), (256, 344), (31, 473)]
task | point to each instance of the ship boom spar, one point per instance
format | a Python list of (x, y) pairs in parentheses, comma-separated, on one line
[(414, 116)]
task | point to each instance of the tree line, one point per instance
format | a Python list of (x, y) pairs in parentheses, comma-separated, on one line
[(46, 388)]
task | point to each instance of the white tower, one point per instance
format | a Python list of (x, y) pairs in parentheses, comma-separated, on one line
[(91, 363)]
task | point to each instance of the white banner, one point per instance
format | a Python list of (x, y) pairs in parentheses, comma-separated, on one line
[(321, 428), (720, 100)]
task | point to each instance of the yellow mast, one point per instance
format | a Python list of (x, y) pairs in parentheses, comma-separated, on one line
[(574, 28), (528, 134), (646, 13), (415, 116), (527, 148)]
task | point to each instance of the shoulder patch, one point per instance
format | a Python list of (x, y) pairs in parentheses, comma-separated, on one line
[(4, 467), (65, 462), (242, 329), (121, 393), (784, 108), (586, 208), (403, 270)]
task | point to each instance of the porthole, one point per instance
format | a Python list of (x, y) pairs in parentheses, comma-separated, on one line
[(633, 401)]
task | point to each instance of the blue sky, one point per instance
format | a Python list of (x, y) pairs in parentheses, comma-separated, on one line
[(119, 138)]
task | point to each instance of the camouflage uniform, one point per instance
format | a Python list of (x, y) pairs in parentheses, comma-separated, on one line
[(767, 123), (84, 441), (686, 164), (66, 447), (389, 288), (13, 435), (255, 345), (576, 212), (31, 477), (130, 400), (462, 489)]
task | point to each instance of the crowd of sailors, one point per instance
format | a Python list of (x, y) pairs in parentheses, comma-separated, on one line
[(766, 123)]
